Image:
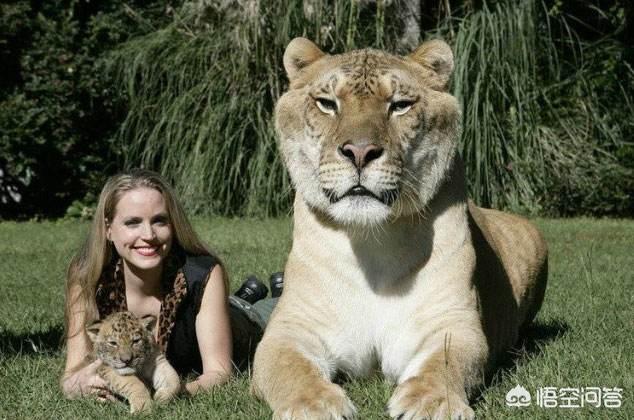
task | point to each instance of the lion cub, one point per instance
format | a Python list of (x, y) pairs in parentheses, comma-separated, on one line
[(131, 358)]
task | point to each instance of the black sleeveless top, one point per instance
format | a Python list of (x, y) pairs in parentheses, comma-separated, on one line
[(182, 347), (183, 285)]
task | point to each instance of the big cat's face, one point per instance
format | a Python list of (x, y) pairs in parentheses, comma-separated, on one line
[(366, 136)]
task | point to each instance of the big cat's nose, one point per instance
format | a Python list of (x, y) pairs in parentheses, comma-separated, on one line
[(361, 153)]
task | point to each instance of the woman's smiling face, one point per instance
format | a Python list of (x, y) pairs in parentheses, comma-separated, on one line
[(140, 229)]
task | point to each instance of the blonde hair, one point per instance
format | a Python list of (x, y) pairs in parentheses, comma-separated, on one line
[(96, 253)]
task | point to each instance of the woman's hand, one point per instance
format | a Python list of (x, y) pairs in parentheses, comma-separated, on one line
[(86, 381), (205, 382)]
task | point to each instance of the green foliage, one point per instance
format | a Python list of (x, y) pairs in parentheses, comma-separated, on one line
[(58, 112), (540, 131), (189, 90)]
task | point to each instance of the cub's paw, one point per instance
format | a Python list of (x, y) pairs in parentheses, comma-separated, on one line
[(329, 403), (140, 407), (168, 390), (162, 396), (414, 400)]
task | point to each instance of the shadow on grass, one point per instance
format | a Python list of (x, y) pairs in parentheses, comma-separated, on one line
[(538, 334), (41, 342), (532, 343)]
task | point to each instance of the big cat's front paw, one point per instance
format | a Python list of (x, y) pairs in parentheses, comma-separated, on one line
[(328, 403), (414, 400)]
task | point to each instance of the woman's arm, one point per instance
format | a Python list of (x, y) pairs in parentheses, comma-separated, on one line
[(80, 378), (213, 330)]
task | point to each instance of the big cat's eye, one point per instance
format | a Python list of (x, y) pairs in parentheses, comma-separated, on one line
[(112, 343), (400, 107), (327, 106)]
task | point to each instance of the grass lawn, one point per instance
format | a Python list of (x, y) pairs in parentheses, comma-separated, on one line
[(584, 334)]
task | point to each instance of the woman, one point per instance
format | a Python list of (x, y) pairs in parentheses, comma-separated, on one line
[(142, 255)]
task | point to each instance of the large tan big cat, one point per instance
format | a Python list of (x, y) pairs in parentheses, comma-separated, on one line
[(391, 268), (131, 358)]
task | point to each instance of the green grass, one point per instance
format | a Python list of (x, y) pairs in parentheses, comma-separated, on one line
[(583, 336)]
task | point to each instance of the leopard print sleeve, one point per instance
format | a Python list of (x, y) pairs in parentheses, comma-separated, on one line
[(169, 309)]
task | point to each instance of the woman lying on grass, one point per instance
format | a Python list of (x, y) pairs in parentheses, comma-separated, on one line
[(142, 255)]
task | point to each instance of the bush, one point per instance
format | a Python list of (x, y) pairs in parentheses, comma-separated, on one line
[(542, 132), (188, 90), (540, 123), (58, 112)]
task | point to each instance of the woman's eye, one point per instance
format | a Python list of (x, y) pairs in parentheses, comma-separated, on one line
[(160, 220), (131, 222), (400, 107), (326, 106)]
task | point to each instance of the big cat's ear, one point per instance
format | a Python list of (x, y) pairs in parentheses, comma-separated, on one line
[(300, 53), (93, 330), (149, 322), (435, 55)]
